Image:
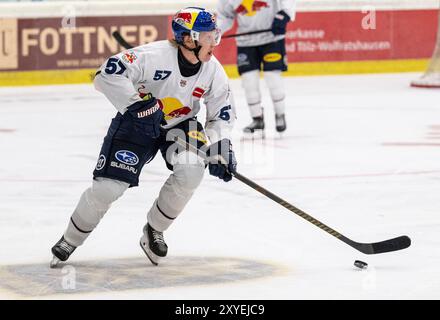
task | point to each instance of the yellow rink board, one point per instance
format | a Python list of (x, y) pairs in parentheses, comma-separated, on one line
[(47, 77)]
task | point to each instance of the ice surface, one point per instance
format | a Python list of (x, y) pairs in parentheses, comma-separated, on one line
[(361, 154)]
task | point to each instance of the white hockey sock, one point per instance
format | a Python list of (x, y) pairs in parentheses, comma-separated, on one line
[(251, 85), (275, 84), (177, 191), (92, 206)]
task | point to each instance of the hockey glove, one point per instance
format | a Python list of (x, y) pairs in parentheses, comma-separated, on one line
[(146, 116), (279, 23), (221, 160)]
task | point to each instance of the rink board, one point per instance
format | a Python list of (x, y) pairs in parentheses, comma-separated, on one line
[(54, 50)]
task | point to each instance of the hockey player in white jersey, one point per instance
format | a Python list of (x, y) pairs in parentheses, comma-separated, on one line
[(156, 89), (263, 51)]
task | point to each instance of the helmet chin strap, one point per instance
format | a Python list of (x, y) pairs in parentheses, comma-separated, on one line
[(196, 51)]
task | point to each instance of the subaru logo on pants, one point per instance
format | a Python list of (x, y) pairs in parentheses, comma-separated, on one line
[(127, 157)]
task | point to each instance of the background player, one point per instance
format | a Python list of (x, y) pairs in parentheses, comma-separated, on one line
[(263, 51), (156, 89)]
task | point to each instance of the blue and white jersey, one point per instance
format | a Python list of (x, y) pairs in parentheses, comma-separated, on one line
[(153, 68)]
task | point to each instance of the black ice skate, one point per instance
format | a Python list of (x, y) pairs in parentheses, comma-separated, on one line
[(153, 244), (280, 122), (61, 252), (257, 125)]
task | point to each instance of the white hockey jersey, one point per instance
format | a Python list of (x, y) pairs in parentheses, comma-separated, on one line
[(153, 68), (252, 15)]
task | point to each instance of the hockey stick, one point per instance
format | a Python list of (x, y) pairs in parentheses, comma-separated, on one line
[(390, 245), (121, 40), (245, 33)]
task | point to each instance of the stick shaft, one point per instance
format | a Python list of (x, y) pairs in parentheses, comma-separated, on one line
[(287, 205), (267, 193), (395, 244), (246, 33), (122, 42)]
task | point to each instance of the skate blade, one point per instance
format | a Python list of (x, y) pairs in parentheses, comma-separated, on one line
[(280, 135), (54, 263), (256, 135), (154, 259)]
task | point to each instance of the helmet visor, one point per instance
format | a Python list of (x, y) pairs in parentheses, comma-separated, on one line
[(207, 38)]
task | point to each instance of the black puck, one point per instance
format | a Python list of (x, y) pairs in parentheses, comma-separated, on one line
[(360, 264)]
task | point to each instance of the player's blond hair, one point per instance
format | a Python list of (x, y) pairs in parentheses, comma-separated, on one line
[(173, 43)]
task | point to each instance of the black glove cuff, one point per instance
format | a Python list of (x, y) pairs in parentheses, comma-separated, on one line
[(144, 104), (283, 13)]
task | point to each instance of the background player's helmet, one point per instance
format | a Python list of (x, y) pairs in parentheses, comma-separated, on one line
[(194, 21)]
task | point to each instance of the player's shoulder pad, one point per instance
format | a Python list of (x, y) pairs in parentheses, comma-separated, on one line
[(152, 47), (147, 53)]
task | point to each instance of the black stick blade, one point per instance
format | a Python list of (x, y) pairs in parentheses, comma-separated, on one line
[(395, 244), (390, 245)]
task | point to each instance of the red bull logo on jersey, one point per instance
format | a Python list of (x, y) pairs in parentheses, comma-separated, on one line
[(173, 108), (251, 7), (129, 57)]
